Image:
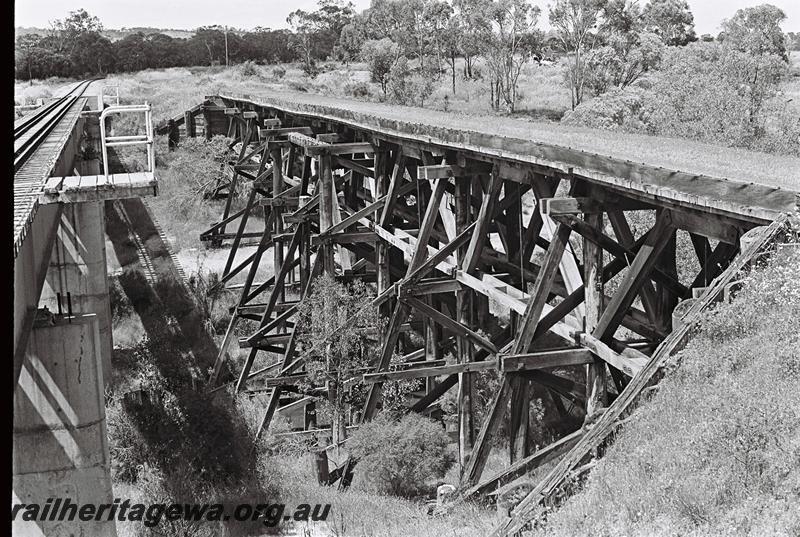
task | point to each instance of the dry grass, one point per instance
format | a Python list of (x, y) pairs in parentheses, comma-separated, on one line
[(361, 514)]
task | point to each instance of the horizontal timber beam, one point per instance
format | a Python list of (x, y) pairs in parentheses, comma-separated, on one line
[(545, 359), (586, 205)]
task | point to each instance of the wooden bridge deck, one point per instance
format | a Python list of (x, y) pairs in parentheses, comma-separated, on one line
[(711, 178)]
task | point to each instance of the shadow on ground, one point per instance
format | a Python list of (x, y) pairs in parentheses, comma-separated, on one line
[(168, 437)]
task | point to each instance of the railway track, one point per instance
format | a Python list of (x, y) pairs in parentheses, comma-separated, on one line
[(31, 130)]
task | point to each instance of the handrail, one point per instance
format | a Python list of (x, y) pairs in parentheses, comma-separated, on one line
[(136, 139)]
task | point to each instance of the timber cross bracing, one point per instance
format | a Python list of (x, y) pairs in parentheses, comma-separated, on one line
[(481, 251)]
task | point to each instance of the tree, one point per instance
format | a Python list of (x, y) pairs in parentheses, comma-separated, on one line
[(672, 20), (623, 17), (573, 21), (437, 14), (380, 55), (508, 47), (473, 18), (627, 52), (452, 38), (332, 16), (65, 31), (163, 51), (267, 45), (316, 32), (302, 40), (416, 26), (793, 40), (336, 327), (24, 54), (207, 45), (92, 54), (757, 31), (350, 42), (133, 53), (622, 61)]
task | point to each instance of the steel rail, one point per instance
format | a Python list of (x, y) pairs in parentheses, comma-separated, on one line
[(29, 134), (28, 121)]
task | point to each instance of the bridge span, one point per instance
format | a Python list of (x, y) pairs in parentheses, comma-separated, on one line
[(508, 245)]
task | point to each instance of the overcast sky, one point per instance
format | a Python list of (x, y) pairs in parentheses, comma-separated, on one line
[(189, 14)]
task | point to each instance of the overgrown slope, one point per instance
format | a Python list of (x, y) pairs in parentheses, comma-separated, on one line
[(717, 450)]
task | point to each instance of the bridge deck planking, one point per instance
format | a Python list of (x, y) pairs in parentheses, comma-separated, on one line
[(754, 186), (34, 173)]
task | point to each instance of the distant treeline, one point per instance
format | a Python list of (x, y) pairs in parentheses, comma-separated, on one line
[(75, 47)]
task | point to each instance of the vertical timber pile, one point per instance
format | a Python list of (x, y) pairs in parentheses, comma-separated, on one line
[(596, 389), (464, 312)]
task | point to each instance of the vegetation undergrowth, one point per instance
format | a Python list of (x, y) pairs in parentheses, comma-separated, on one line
[(716, 451)]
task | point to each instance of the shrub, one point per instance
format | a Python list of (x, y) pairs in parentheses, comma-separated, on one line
[(711, 92), (278, 72), (616, 109), (407, 87), (399, 457), (121, 307), (185, 176), (359, 90), (333, 326), (380, 55), (704, 91), (397, 84), (297, 85), (248, 69)]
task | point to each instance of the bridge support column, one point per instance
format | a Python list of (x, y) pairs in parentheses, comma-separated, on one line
[(60, 446), (78, 273)]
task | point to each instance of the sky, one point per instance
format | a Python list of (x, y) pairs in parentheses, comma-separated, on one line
[(246, 14)]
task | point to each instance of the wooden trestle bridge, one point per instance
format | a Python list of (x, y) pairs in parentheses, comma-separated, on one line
[(438, 219)]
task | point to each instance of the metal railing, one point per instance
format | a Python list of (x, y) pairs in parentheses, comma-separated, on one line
[(136, 139)]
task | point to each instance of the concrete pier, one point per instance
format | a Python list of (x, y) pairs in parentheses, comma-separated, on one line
[(77, 271), (60, 446)]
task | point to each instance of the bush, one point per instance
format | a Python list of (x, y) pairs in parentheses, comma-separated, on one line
[(707, 92), (399, 457), (297, 85), (407, 87), (121, 307), (616, 109), (359, 90), (380, 55), (185, 176), (278, 72), (249, 69)]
